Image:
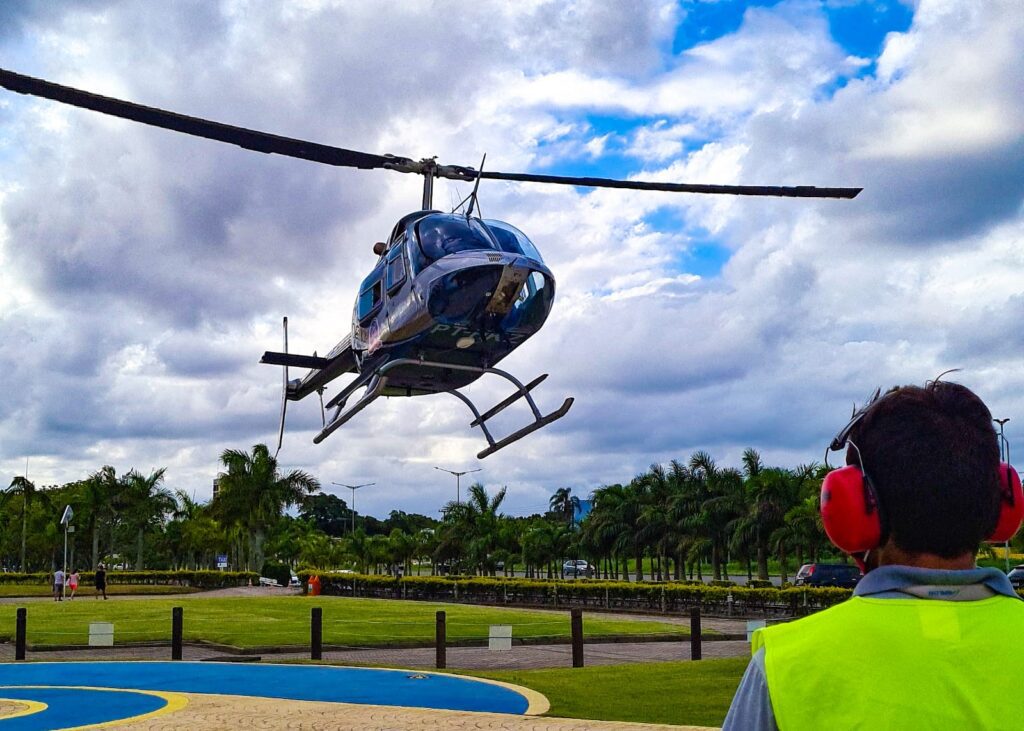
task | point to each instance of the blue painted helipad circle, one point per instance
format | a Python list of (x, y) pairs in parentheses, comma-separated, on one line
[(294, 682), (66, 707)]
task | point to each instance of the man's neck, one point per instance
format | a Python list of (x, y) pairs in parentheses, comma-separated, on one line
[(890, 554)]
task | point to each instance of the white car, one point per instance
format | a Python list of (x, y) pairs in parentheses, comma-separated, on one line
[(577, 568), (294, 581)]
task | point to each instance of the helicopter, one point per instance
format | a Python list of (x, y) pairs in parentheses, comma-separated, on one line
[(451, 294)]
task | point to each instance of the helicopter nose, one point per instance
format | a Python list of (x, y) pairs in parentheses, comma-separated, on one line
[(457, 295), (508, 288)]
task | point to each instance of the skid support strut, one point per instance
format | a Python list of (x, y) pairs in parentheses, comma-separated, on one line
[(379, 380)]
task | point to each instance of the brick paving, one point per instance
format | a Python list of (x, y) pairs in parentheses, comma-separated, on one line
[(233, 712)]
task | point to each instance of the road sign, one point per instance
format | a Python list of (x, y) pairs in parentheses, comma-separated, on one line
[(222, 561)]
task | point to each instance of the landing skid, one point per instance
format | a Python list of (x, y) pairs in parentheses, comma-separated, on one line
[(378, 381)]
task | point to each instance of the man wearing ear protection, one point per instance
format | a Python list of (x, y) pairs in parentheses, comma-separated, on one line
[(928, 640)]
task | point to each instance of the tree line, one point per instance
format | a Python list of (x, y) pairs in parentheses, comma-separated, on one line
[(687, 519)]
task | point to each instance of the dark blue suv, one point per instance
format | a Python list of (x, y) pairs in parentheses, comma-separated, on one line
[(1016, 577)]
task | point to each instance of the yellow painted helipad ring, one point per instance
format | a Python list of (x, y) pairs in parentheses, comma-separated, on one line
[(172, 702), (29, 707)]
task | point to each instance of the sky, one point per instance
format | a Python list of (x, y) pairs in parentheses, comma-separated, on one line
[(143, 273)]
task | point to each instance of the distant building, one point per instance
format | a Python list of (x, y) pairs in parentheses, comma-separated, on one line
[(581, 509)]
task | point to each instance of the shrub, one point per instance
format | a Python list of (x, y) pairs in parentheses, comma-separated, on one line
[(279, 572), (198, 579)]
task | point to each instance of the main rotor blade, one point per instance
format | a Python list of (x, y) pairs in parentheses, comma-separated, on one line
[(274, 144), (802, 191), (247, 138)]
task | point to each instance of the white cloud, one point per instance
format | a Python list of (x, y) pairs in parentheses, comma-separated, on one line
[(143, 272)]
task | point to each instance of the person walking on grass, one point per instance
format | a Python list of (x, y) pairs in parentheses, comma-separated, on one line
[(73, 583), (101, 581), (58, 585)]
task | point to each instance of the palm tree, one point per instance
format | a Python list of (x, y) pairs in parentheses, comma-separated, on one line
[(145, 502), (564, 503), (544, 542), (401, 547), (475, 524), (614, 521), (713, 500), (253, 494), (97, 492), (28, 492)]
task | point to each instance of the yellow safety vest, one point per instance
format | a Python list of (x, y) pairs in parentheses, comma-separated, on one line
[(898, 664)]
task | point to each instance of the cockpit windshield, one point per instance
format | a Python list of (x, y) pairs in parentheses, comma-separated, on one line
[(513, 240), (443, 234)]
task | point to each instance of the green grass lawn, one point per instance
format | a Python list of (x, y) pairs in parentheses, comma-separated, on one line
[(88, 592), (688, 693), (284, 621)]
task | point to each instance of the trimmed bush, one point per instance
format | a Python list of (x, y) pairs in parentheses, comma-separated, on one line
[(198, 579), (722, 597), (279, 572)]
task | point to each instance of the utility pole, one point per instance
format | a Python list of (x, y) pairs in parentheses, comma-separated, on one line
[(353, 488), (65, 521), (458, 476), (1004, 456)]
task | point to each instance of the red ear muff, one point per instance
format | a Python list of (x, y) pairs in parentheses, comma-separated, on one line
[(849, 510), (1012, 511)]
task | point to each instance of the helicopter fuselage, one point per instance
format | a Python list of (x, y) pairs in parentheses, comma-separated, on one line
[(470, 307)]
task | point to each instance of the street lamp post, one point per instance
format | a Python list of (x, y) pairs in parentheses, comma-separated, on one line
[(458, 477), (1004, 456), (353, 488), (65, 521)]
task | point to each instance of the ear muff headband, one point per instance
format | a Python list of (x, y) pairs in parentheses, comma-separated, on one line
[(852, 518)]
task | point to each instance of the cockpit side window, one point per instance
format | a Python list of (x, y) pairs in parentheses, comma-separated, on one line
[(396, 267)]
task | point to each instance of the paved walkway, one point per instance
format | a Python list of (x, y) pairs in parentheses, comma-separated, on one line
[(234, 712), (520, 657)]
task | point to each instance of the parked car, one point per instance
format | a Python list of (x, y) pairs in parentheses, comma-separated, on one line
[(1016, 577), (828, 574), (576, 569), (294, 581)]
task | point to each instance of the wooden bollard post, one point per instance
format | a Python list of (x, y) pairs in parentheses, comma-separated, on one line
[(316, 633), (441, 640), (22, 622), (176, 632), (576, 622), (695, 653)]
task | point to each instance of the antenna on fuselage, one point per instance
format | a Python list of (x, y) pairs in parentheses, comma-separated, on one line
[(472, 197)]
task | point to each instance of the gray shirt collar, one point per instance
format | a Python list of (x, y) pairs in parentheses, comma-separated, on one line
[(894, 580)]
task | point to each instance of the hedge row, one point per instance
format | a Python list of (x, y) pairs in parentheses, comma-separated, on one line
[(198, 579), (665, 597)]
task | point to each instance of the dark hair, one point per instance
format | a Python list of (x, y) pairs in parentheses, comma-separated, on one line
[(932, 455)]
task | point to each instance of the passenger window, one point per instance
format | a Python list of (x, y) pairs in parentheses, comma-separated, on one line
[(370, 298), (396, 267)]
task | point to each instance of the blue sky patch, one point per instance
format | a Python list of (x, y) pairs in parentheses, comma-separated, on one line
[(860, 28), (614, 161), (703, 255), (706, 21)]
